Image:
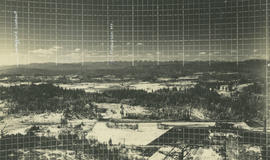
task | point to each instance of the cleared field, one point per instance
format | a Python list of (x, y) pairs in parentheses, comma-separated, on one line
[(146, 133), (48, 124), (113, 110), (137, 85)]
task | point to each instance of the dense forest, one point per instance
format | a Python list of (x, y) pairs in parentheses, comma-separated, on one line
[(82, 147), (243, 106), (163, 103), (49, 98)]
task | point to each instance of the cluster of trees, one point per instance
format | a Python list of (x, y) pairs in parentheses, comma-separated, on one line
[(47, 98), (161, 98), (241, 107), (122, 125), (82, 146), (164, 103)]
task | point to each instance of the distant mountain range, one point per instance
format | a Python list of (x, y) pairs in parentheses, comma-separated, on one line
[(88, 67)]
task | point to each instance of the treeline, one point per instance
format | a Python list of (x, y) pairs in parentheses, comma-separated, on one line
[(46, 98), (148, 71), (243, 106), (162, 103), (161, 98), (81, 146)]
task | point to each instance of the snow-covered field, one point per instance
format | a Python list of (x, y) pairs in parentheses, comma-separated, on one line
[(192, 77), (197, 154), (47, 154), (209, 153), (13, 124), (48, 123), (152, 87), (146, 133), (140, 85), (113, 110), (147, 86), (6, 84), (91, 87), (9, 84), (205, 154)]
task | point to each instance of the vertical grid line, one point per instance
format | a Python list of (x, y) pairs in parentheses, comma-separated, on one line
[(183, 32), (82, 37), (56, 34), (6, 24), (209, 34), (237, 34), (157, 42), (173, 43), (16, 39), (132, 33), (108, 32), (267, 79), (199, 26), (231, 36), (28, 32)]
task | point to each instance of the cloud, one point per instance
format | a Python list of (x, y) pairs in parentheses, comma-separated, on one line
[(77, 50), (202, 53), (46, 52)]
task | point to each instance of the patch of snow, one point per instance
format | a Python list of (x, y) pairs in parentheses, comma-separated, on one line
[(162, 153), (113, 110), (255, 149), (164, 79), (20, 130), (147, 86), (7, 84), (205, 154), (190, 124), (45, 118), (146, 133), (4, 79), (51, 154), (90, 87), (199, 114), (196, 154), (241, 87), (241, 125), (14, 124), (193, 77), (141, 85)]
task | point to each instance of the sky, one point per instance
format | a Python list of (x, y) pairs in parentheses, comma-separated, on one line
[(68, 31)]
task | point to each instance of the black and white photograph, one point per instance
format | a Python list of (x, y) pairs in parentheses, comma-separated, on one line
[(134, 80)]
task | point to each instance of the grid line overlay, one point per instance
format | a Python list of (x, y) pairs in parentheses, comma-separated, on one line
[(226, 29), (81, 31), (31, 146)]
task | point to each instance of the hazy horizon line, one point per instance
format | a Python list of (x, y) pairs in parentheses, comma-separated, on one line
[(135, 61)]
